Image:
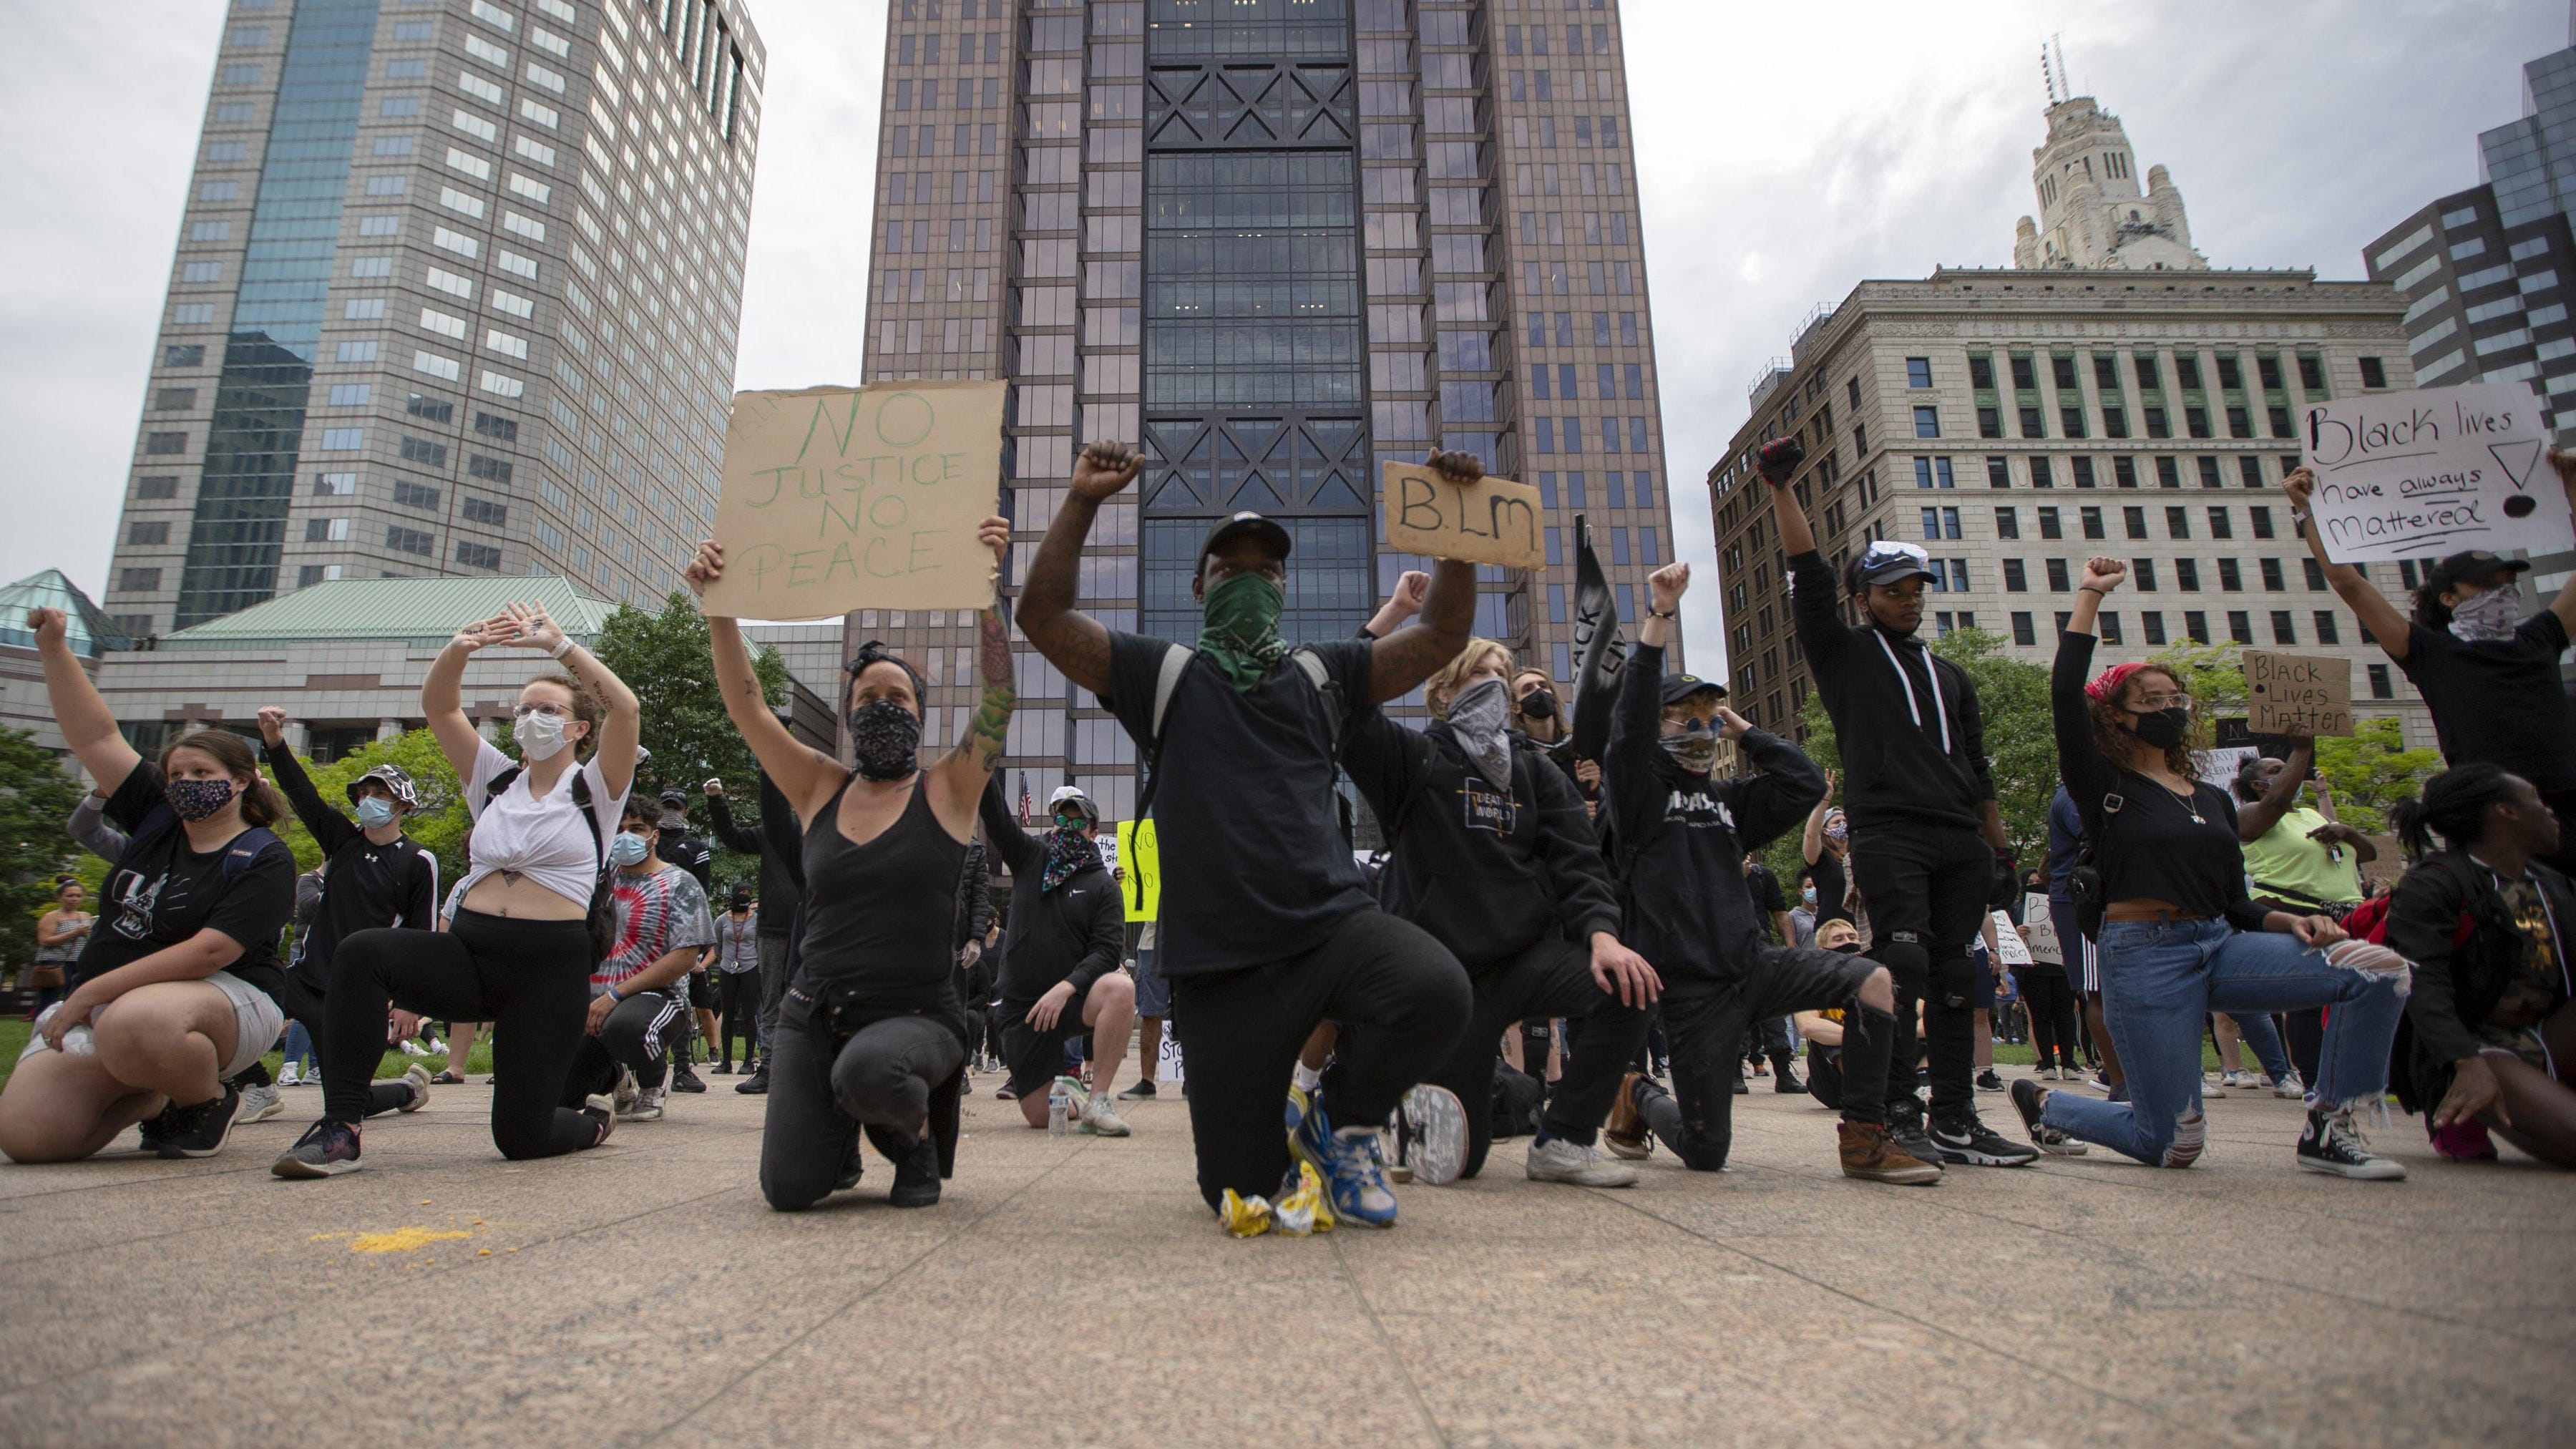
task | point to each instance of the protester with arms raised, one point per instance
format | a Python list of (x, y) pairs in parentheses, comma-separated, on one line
[(1267, 927)]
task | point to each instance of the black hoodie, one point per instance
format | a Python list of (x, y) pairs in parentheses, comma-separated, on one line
[(1072, 933), (1681, 838), (1896, 771), (1485, 872)]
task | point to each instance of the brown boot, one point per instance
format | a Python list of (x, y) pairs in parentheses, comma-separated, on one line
[(1625, 1133), (1869, 1152)]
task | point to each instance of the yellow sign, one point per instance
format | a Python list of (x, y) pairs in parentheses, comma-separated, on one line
[(842, 498), (1490, 521), (1143, 861)]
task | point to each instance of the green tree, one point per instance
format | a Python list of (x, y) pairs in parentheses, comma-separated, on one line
[(439, 823), (2212, 674), (2021, 747), (2373, 770), (36, 796)]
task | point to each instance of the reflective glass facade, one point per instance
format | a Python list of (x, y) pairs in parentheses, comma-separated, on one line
[(239, 527), (2531, 162)]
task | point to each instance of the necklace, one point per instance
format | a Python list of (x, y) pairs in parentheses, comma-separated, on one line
[(2190, 802)]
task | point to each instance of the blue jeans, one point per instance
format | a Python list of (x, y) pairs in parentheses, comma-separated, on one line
[(2159, 978), (299, 1046), (2255, 1030)]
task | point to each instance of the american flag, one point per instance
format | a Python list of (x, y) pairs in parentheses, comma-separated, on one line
[(1028, 806)]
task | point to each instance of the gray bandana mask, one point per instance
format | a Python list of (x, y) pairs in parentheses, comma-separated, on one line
[(2489, 615), (1476, 716)]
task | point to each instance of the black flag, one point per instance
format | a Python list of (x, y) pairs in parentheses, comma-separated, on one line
[(1599, 652)]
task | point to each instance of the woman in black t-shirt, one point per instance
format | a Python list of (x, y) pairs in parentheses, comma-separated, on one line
[(2180, 938), (177, 985)]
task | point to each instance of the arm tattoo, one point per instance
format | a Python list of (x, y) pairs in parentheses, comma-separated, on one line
[(992, 722)]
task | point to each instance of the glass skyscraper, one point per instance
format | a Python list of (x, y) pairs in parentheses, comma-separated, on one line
[(455, 292), (1276, 242)]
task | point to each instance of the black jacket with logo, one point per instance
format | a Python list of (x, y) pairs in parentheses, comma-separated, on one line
[(1485, 871), (1681, 838), (1072, 933)]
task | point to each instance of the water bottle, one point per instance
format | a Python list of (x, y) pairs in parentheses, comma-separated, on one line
[(77, 1042), (1059, 1108)]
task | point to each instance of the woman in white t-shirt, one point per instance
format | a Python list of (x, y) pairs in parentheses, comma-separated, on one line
[(518, 952)]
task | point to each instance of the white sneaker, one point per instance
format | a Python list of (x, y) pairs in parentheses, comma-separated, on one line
[(2290, 1087), (437, 1048), (412, 1048), (625, 1094), (1557, 1160), (1100, 1118), (416, 1077), (2212, 1085), (258, 1104), (647, 1108), (2243, 1081), (289, 1075)]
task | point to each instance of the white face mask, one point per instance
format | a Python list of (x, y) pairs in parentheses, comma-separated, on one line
[(2488, 615), (540, 735)]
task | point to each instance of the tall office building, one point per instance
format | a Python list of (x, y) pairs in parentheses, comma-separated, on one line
[(456, 292), (1276, 241), (2013, 422), (2487, 273)]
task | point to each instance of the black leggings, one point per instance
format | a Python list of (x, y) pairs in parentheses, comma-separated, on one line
[(1401, 993), (1553, 976), (301, 1000), (823, 1089), (738, 1015), (530, 979), (2052, 1013)]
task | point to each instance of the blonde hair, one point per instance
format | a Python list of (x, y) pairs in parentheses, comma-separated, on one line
[(1443, 683)]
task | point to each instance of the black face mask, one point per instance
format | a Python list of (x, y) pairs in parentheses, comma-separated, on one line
[(1848, 948), (1538, 704), (2162, 729), (886, 738)]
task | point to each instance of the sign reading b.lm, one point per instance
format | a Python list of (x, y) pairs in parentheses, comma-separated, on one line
[(1490, 521), (842, 498)]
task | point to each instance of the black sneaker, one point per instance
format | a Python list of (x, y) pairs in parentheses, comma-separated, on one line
[(2028, 1098), (1741, 1087), (1906, 1130), (1987, 1081), (200, 1131), (156, 1129), (684, 1080), (721, 1069), (756, 1084), (1965, 1139), (2332, 1144), (1143, 1090), (916, 1178), (326, 1149), (1785, 1082)]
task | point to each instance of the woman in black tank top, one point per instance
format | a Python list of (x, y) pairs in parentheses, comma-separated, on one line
[(871, 1034)]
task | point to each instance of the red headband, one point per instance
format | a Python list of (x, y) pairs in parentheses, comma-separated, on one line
[(2108, 682)]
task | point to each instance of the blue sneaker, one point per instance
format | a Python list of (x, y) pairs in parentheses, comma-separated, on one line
[(1352, 1164)]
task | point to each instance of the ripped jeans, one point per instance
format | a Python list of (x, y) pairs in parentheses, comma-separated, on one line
[(2159, 978)]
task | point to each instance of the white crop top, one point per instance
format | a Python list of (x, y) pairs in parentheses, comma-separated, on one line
[(542, 839)]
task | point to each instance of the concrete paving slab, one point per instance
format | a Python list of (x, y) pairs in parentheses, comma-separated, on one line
[(1074, 1289)]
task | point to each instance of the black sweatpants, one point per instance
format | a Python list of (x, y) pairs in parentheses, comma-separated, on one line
[(1240, 1030), (644, 1034), (773, 980), (301, 1000), (1553, 977), (1708, 1019), (2052, 1012), (738, 1014), (530, 979), (1927, 888), (823, 1089)]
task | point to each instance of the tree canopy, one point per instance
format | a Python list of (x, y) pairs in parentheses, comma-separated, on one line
[(36, 796)]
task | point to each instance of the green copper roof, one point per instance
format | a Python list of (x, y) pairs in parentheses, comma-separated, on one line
[(89, 631), (423, 610)]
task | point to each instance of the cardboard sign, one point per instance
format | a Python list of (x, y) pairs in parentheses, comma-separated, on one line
[(2292, 691), (1142, 891), (2043, 931), (2008, 942), (2419, 474), (842, 498), (1490, 521)]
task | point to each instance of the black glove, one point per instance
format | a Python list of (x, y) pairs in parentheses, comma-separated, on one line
[(2007, 886), (1779, 458)]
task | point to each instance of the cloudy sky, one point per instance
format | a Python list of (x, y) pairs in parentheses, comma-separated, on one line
[(1785, 152)]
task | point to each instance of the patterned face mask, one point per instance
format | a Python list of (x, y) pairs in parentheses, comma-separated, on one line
[(197, 799), (2489, 615), (1068, 851), (886, 737), (1476, 715), (1695, 753)]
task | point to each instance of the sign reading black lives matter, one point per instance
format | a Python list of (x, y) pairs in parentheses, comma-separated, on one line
[(840, 498), (2420, 474)]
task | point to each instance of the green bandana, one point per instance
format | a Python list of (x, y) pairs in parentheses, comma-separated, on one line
[(1241, 631)]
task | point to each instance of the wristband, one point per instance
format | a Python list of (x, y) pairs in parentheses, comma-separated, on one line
[(2092, 589), (613, 995), (1654, 613), (560, 650)]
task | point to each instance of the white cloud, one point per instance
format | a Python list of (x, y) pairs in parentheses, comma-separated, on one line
[(1786, 153)]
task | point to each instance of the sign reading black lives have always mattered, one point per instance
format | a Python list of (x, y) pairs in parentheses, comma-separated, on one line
[(2421, 474)]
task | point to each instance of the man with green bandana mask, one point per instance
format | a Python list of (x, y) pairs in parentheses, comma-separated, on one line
[(1267, 925)]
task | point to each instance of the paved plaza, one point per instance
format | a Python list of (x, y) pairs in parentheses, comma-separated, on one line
[(1074, 1290)]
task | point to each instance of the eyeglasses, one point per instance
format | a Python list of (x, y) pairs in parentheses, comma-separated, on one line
[(2150, 703)]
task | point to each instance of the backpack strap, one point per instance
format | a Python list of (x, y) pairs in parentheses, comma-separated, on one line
[(580, 800), (1167, 677), (1336, 704), (246, 848)]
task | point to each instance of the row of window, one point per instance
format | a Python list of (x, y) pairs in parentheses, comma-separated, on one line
[(1547, 434), (1575, 494), (1526, 132), (1944, 522), (2142, 572), (926, 49), (2084, 471), (1541, 334)]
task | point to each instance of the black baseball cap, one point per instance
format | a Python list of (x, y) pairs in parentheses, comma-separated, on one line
[(1271, 535), (1678, 687), (677, 799), (2469, 566)]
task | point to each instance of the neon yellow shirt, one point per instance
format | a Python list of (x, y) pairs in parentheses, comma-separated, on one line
[(2286, 858)]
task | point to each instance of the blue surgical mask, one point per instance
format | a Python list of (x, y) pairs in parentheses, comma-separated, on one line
[(375, 812), (627, 850), (1808, 895)]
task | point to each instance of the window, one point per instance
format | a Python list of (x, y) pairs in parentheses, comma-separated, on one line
[(1927, 422), (2187, 575), (2057, 579), (334, 485), (2324, 620), (2083, 470), (2016, 578), (484, 510), (2092, 521), (2144, 571), (174, 399), (2133, 521), (2023, 633), (2109, 620), (436, 410), (2039, 472), (1998, 473), (2195, 626), (2283, 630), (192, 354), (496, 470), (477, 555), (494, 425), (2007, 523), (2240, 626), (2177, 523), (2219, 527), (409, 540), (2375, 375), (165, 443), (2152, 624), (1918, 372), (2209, 473), (423, 452), (343, 440), (138, 581), (148, 534), (158, 486), (416, 495), (2231, 576), (2048, 524)]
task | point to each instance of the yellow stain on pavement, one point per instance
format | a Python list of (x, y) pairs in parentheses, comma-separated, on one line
[(400, 1240)]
